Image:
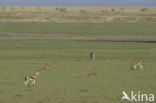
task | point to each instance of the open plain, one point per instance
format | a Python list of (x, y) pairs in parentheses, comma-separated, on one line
[(32, 37)]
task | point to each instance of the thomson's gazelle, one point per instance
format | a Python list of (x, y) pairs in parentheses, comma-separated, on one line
[(31, 78), (137, 63), (92, 56)]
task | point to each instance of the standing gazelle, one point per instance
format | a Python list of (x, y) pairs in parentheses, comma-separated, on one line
[(137, 63), (33, 77), (92, 56)]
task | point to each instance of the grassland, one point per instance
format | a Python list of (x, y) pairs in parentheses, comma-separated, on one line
[(79, 31), (68, 82), (30, 37)]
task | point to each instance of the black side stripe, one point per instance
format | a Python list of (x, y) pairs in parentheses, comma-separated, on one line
[(32, 78)]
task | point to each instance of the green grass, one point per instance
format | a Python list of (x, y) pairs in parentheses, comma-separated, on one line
[(37, 29), (68, 81)]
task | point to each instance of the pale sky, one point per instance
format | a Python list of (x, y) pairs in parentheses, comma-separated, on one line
[(77, 2)]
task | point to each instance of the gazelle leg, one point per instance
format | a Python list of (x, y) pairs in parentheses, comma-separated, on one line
[(141, 67), (135, 67), (33, 83), (26, 80), (25, 83)]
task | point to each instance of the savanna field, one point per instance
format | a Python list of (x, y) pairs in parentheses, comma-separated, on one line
[(33, 38)]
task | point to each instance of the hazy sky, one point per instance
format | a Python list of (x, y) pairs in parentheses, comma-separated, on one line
[(77, 2)]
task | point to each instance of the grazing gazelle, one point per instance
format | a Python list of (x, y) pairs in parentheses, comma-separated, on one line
[(92, 74), (64, 50), (137, 63), (46, 68), (33, 77), (92, 56)]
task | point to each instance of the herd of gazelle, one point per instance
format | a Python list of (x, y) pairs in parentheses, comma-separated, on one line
[(92, 57), (135, 64)]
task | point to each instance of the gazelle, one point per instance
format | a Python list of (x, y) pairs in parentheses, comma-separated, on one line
[(64, 50), (137, 63), (46, 68), (33, 77), (92, 74), (92, 56)]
